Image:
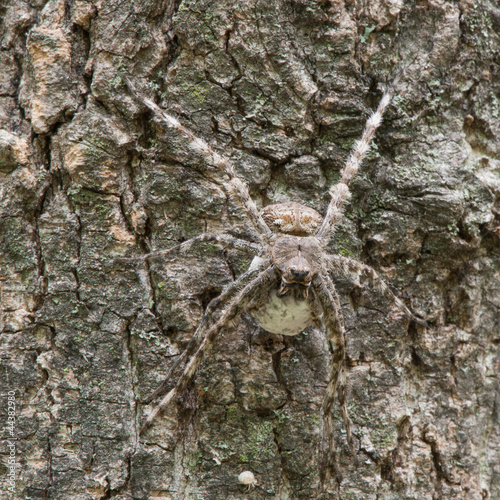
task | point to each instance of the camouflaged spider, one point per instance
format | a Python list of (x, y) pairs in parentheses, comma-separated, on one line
[(287, 286)]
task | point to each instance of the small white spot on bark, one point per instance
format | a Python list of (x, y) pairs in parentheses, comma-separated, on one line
[(247, 478)]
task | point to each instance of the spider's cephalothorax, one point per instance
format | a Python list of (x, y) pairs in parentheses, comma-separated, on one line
[(288, 286), (297, 257), (297, 260)]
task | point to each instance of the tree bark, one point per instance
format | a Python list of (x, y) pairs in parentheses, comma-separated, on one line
[(283, 89)]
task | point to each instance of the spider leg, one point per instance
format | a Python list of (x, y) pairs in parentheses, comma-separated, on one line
[(325, 293), (340, 192), (341, 390), (215, 304), (345, 265), (222, 239), (236, 188), (261, 284)]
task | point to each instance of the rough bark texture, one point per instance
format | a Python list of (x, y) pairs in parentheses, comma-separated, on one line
[(282, 88)]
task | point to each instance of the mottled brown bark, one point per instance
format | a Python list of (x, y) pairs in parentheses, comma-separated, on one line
[(283, 89)]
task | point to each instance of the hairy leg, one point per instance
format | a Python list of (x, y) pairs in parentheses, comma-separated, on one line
[(222, 239), (259, 285), (216, 304), (326, 295), (347, 266), (340, 192), (342, 388), (236, 188)]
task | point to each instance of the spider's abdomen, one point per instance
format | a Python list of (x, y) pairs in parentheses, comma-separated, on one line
[(292, 218), (284, 315)]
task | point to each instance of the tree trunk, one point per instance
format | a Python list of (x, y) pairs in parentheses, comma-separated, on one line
[(282, 89)]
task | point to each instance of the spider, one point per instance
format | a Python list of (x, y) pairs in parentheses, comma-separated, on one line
[(288, 286)]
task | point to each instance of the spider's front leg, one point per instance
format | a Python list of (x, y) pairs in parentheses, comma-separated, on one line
[(259, 285), (346, 266), (340, 192), (326, 295), (236, 188)]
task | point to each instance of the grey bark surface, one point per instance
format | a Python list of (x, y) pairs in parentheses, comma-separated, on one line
[(283, 89)]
